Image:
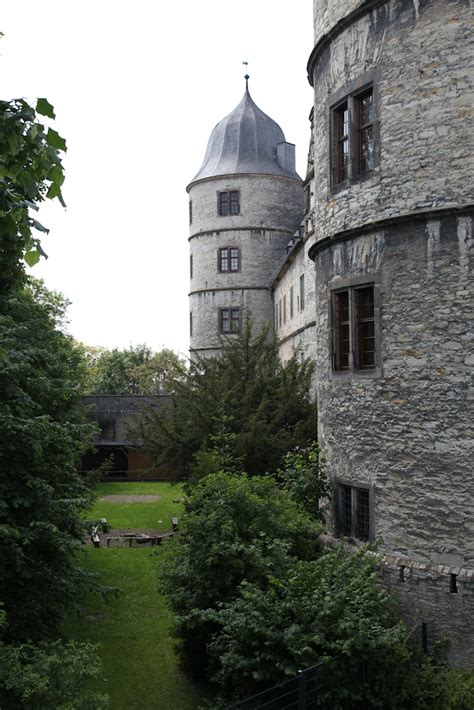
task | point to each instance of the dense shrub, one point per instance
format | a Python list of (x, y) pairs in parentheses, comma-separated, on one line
[(237, 528)]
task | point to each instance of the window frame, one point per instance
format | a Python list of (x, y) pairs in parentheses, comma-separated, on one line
[(341, 486), (232, 310), (351, 95), (302, 299), (352, 285), (228, 196), (228, 258)]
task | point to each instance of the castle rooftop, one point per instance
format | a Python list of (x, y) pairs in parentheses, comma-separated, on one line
[(247, 141)]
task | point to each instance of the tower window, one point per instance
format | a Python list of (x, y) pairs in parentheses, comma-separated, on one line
[(284, 308), (190, 322), (353, 137), (228, 259), (228, 202), (229, 320), (302, 292), (190, 266), (353, 505), (190, 211), (353, 314), (291, 302), (364, 105), (341, 116)]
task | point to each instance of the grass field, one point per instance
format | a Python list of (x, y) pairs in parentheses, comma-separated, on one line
[(140, 669), (152, 514)]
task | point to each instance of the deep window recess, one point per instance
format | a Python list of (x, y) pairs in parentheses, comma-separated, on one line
[(284, 308), (190, 266), (228, 259), (229, 320), (228, 202), (190, 211), (354, 328), (353, 140), (353, 511), (291, 302), (190, 323), (302, 292)]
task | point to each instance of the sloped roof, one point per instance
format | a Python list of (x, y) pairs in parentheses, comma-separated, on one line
[(245, 141)]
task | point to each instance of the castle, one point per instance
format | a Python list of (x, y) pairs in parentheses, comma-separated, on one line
[(365, 266)]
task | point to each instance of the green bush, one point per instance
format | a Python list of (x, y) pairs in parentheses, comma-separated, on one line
[(237, 528)]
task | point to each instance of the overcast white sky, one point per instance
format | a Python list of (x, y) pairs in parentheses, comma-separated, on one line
[(137, 88)]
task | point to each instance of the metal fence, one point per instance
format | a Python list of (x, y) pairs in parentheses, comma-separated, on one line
[(298, 693)]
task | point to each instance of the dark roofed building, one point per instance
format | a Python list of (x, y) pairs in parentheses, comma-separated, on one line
[(117, 416)]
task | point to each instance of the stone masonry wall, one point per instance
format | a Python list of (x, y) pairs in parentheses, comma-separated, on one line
[(270, 211), (408, 429), (420, 57)]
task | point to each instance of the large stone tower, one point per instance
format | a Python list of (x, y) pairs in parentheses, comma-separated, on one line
[(245, 203), (393, 258)]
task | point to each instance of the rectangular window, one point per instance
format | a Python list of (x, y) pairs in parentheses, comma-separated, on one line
[(302, 292), (234, 202), (279, 314), (228, 202), (291, 302), (353, 317), (353, 136), (307, 194), (229, 320), (190, 211), (223, 204), (341, 131), (228, 259), (364, 108), (190, 266), (190, 323), (353, 511), (284, 308)]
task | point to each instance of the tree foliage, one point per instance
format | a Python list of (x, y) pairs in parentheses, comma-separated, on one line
[(246, 393), (237, 528), (134, 370), (30, 171), (331, 609), (42, 433), (303, 475)]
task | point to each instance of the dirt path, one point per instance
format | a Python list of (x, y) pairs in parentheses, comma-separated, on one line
[(129, 499)]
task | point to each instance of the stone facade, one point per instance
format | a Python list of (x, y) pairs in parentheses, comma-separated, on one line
[(403, 430), (270, 208)]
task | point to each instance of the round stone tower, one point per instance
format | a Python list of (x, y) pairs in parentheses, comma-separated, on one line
[(245, 203), (394, 295)]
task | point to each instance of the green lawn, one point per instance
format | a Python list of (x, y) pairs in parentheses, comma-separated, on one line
[(153, 514), (132, 632)]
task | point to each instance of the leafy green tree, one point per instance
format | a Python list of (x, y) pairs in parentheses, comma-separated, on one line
[(303, 475), (331, 609), (42, 434), (30, 171), (237, 528), (135, 370), (247, 393), (49, 675)]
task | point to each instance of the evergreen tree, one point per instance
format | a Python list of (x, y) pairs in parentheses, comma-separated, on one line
[(247, 396)]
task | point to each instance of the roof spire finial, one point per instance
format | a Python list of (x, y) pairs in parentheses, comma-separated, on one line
[(246, 78)]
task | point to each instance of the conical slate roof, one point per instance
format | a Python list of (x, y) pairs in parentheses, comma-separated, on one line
[(245, 141)]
